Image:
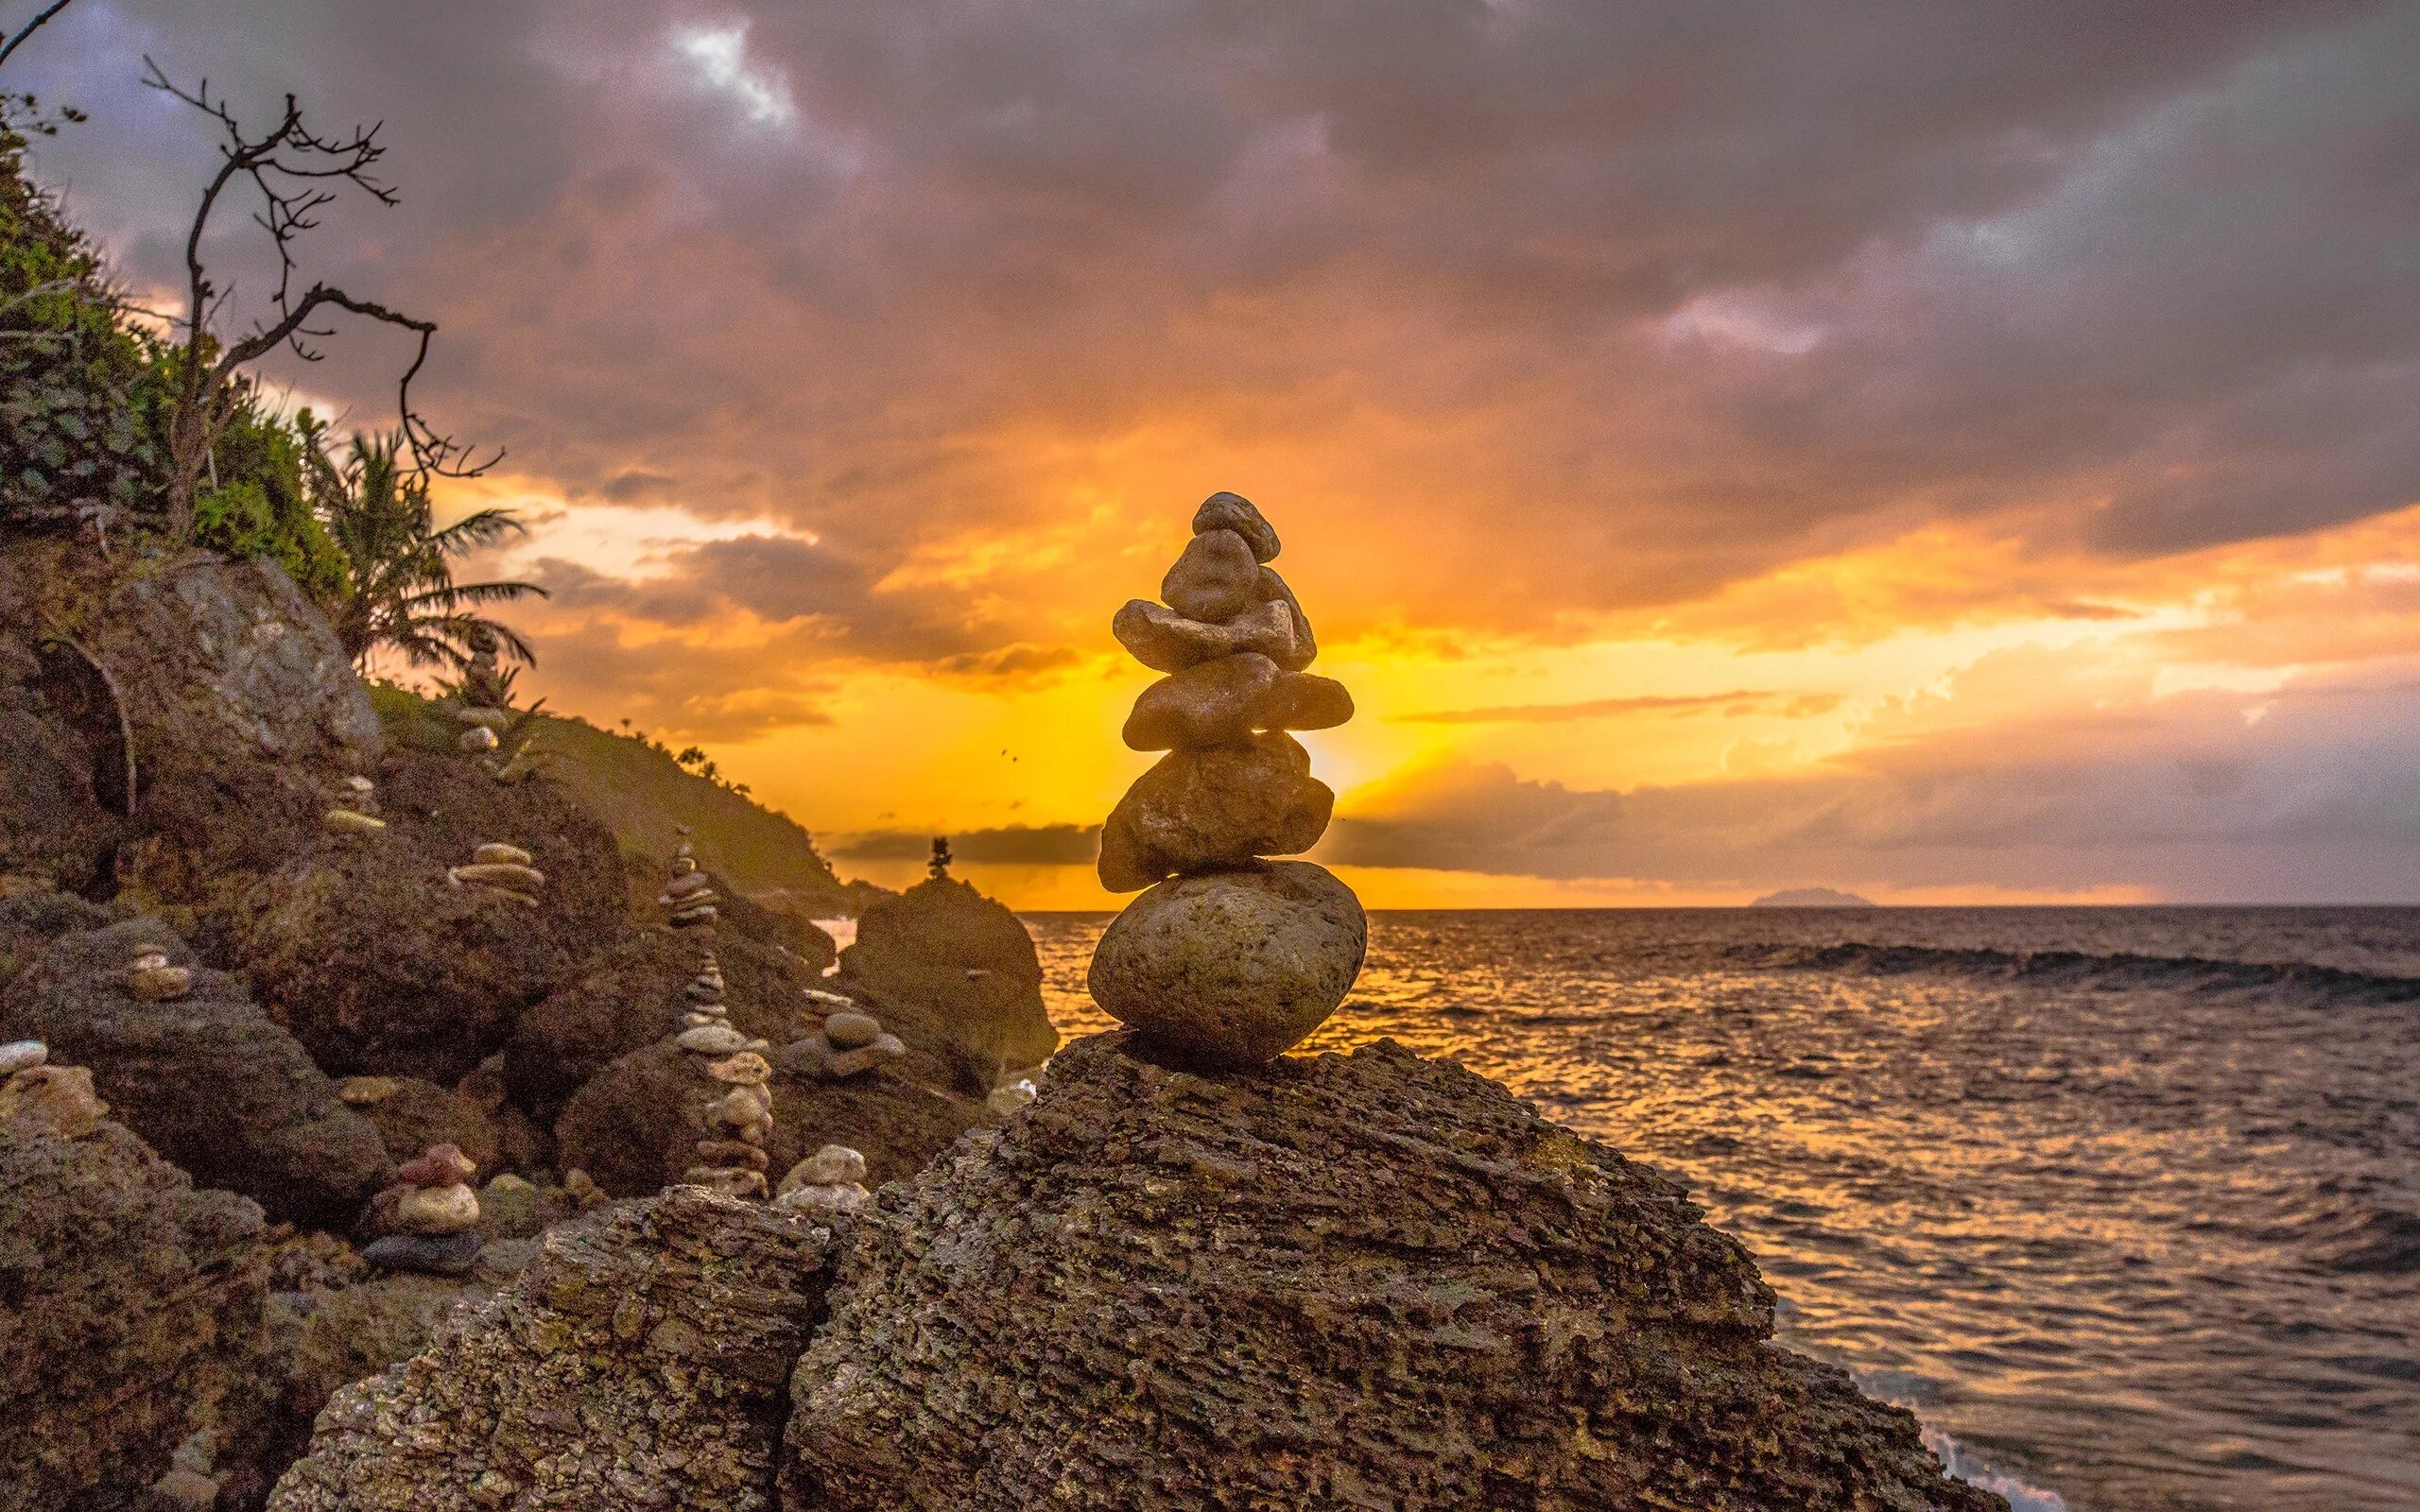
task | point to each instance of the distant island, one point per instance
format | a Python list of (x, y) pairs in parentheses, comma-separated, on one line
[(1813, 898)]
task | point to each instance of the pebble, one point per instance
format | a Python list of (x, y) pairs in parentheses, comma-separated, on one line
[(346, 822), (360, 785), (703, 996), (701, 1020), (832, 1165), (683, 866), (687, 883), (711, 1039), (158, 984), (848, 1063), (508, 1183), (440, 1165), (830, 1000), (845, 1198), (22, 1055), (434, 1254), (735, 1153), (1168, 642), (693, 919), (447, 1210), (61, 1097), (730, 1182), (496, 853), (367, 1091), (1304, 701), (1208, 810), (739, 1109), (477, 740), (513, 876), (849, 1029), (1233, 511), (151, 960), (746, 1069), (1215, 579), (1016, 1095), (1306, 649)]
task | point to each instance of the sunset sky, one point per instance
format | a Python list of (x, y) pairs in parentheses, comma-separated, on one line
[(1955, 453)]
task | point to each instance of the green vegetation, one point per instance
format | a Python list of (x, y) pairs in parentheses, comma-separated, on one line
[(637, 788)]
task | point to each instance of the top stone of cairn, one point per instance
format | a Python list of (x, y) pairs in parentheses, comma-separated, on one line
[(1229, 958)]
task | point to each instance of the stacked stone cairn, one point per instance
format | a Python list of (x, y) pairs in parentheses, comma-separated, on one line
[(1228, 958), (503, 869), (853, 1041), (436, 1216), (356, 813), (832, 1179), (731, 1159), (150, 977)]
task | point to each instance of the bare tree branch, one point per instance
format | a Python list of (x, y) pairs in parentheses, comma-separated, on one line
[(27, 30)]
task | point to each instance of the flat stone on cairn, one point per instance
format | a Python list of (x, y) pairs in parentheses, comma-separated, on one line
[(1228, 958), (437, 1214), (503, 869), (152, 979)]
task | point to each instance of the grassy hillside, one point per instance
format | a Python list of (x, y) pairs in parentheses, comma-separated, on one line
[(642, 794)]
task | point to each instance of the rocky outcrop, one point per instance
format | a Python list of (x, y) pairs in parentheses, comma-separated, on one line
[(412, 1114), (634, 1126), (638, 1362), (206, 1078), (954, 973), (130, 1314), (380, 964), (1370, 1280)]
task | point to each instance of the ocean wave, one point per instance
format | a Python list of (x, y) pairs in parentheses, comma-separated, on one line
[(1965, 1463), (2382, 1241), (2078, 969)]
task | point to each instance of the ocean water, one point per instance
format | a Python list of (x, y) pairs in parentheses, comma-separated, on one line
[(2125, 1203)]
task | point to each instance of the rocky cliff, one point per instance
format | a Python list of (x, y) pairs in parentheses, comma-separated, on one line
[(1367, 1280)]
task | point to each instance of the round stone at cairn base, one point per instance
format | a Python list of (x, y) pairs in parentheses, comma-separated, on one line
[(1227, 970)]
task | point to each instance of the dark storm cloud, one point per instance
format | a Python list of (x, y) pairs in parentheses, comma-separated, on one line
[(1742, 702), (1601, 304)]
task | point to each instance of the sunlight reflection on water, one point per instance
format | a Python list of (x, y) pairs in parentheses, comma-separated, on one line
[(2133, 1219)]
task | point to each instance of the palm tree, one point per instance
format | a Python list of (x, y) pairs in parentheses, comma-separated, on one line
[(400, 589)]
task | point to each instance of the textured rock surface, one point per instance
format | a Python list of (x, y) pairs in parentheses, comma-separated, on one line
[(1205, 810), (414, 1114), (131, 1311), (1215, 577), (636, 1364), (1229, 969), (1371, 1282), (209, 1080), (955, 974), (1162, 639), (378, 965), (1233, 511)]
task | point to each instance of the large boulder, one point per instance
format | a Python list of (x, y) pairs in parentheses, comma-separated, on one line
[(131, 1313), (208, 1079), (633, 1127), (638, 1362), (950, 971), (629, 996), (361, 946), (1367, 1280)]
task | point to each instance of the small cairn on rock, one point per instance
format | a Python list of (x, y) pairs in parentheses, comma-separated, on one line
[(832, 1179), (731, 1159), (937, 870), (357, 812), (852, 1043), (690, 894), (33, 1090), (437, 1216), (1228, 958), (150, 977), (503, 869)]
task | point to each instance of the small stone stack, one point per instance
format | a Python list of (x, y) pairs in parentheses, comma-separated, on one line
[(832, 1179), (690, 894), (853, 1043), (437, 1216), (150, 977), (731, 1159), (503, 869), (1228, 958), (58, 1097), (357, 812)]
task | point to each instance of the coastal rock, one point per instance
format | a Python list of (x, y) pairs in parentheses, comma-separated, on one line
[(1304, 649), (208, 1079), (1215, 578), (832, 1165), (639, 1362), (1203, 809), (131, 1313), (1370, 1280), (59, 1099), (1165, 641), (1233, 511), (955, 976), (1226, 970), (1215, 703)]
